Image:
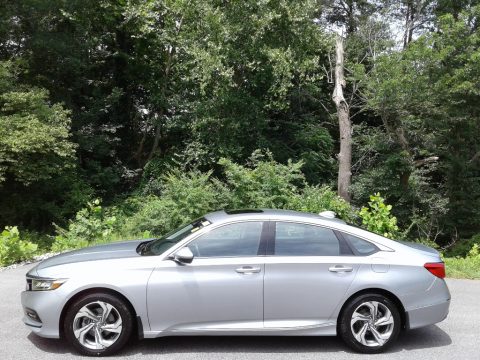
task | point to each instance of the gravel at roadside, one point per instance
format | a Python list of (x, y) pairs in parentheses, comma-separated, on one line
[(35, 259)]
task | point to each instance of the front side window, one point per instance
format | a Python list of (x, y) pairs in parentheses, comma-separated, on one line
[(293, 239), (239, 239)]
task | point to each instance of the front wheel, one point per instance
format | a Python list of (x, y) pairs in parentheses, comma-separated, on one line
[(98, 324), (370, 323)]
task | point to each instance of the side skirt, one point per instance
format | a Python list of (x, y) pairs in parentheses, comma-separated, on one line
[(329, 329)]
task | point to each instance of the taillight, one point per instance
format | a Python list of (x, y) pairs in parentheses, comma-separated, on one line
[(437, 269)]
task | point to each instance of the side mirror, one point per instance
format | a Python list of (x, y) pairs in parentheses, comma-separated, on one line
[(183, 256)]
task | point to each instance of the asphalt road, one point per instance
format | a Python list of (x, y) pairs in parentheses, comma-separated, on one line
[(456, 337)]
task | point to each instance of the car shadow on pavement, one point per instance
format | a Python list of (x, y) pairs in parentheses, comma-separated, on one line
[(424, 338), (54, 346), (428, 337)]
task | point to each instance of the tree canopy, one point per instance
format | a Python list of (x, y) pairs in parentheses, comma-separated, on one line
[(100, 98)]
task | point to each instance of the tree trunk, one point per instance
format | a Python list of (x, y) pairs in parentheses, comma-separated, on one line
[(345, 154), (409, 23), (156, 139)]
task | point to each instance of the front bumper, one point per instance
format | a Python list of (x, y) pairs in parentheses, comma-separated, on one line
[(48, 306)]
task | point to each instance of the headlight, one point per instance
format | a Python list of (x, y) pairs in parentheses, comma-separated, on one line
[(46, 284)]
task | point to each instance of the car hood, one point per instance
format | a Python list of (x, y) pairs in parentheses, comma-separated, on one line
[(117, 250)]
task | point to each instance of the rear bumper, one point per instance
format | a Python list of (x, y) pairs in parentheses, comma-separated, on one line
[(427, 315)]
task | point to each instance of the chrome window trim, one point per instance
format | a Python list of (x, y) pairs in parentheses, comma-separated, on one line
[(166, 255)]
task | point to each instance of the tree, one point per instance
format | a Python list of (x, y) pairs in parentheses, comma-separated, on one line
[(345, 125), (351, 18), (429, 109), (34, 135), (38, 175), (416, 15)]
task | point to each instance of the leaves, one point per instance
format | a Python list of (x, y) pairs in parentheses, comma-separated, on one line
[(378, 219), (99, 98), (34, 135), (12, 249)]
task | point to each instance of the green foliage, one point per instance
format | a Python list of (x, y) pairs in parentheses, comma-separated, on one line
[(91, 224), (378, 218), (474, 251), (174, 199), (34, 135), (427, 101), (428, 242), (101, 98), (37, 205), (35, 148), (265, 183), (316, 199), (63, 243), (12, 248), (180, 196), (464, 267), (462, 247)]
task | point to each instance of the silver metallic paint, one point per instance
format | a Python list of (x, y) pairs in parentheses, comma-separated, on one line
[(287, 296)]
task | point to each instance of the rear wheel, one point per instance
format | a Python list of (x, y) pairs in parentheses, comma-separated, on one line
[(370, 323), (98, 324)]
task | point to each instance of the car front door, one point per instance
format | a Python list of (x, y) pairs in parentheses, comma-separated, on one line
[(220, 290), (308, 270)]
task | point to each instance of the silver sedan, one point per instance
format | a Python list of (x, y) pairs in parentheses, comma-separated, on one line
[(244, 272)]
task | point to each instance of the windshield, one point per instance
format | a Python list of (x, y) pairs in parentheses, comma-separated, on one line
[(158, 246)]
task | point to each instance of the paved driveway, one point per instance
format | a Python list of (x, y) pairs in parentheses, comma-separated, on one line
[(458, 337)]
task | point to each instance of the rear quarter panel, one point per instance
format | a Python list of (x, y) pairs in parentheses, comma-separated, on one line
[(402, 273)]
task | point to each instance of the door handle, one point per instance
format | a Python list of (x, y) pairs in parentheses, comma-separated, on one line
[(247, 270), (340, 268)]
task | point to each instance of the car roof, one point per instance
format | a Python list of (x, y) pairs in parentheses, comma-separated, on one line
[(265, 214)]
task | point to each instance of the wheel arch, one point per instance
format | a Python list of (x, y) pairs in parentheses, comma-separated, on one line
[(378, 291), (137, 325)]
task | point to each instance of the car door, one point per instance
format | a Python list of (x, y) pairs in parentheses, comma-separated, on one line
[(220, 290), (308, 269)]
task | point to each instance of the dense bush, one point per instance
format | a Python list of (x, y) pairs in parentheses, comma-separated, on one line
[(12, 248), (92, 223), (180, 196), (264, 183), (316, 199), (177, 198), (39, 178), (462, 247), (377, 217)]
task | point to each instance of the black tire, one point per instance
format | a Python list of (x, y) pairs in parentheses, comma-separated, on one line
[(122, 311), (345, 328)]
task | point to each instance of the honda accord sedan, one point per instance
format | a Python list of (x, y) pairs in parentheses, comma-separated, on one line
[(244, 272)]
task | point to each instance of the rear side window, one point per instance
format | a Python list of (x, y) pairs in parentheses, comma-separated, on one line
[(294, 239), (238, 239), (361, 246)]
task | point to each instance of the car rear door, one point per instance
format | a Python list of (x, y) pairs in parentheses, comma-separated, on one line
[(221, 290), (308, 270)]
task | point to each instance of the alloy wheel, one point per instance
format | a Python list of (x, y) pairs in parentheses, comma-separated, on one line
[(97, 325), (372, 323)]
